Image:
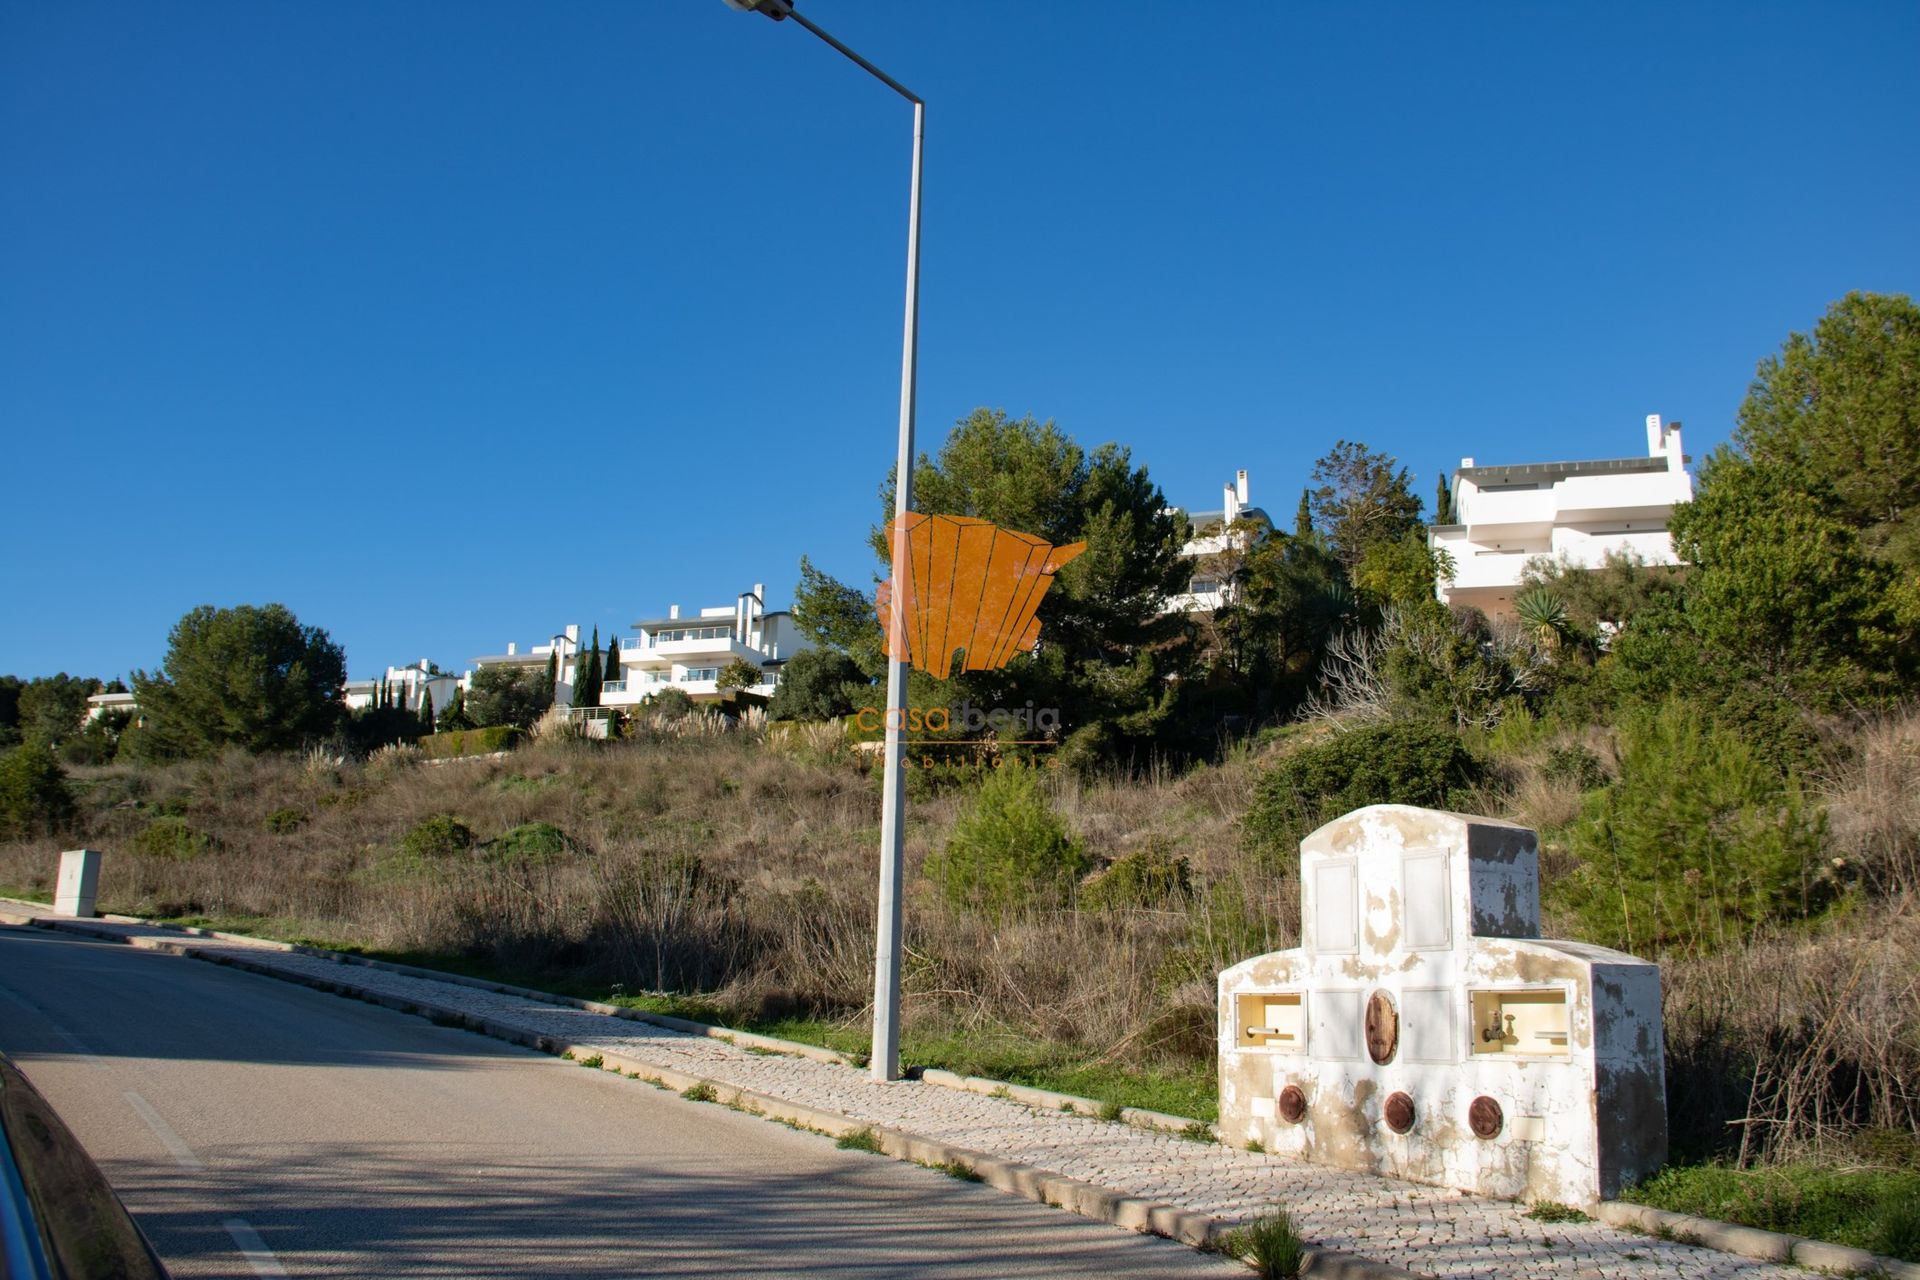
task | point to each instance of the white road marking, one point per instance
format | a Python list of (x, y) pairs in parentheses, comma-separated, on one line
[(253, 1248), (182, 1153)]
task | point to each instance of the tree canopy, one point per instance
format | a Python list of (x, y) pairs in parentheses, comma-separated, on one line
[(249, 676), (1837, 413), (508, 695), (1360, 499)]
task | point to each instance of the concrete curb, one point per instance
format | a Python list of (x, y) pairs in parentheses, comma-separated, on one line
[(1088, 1200), (1751, 1242), (745, 1039)]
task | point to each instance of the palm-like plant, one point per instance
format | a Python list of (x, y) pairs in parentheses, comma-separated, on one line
[(1544, 614)]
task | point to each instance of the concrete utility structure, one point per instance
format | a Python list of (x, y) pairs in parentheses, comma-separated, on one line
[(1575, 512), (78, 887), (1424, 1030)]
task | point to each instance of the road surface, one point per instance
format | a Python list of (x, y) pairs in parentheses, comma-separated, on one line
[(256, 1128)]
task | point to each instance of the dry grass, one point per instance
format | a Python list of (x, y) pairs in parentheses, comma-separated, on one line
[(741, 867)]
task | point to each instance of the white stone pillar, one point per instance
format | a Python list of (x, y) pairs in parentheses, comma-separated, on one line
[(79, 883)]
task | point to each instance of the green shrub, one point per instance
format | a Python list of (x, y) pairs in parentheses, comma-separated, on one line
[(283, 821), (1403, 762), (1575, 764), (1008, 849), (1710, 838), (172, 838), (1150, 877), (1270, 1245), (470, 742), (441, 836), (34, 798), (530, 842)]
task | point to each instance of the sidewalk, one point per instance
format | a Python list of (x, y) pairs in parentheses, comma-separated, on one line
[(1136, 1177)]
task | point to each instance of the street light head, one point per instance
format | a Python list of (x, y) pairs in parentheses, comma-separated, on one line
[(775, 9)]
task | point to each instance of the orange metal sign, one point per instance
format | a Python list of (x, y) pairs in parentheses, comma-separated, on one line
[(970, 586)]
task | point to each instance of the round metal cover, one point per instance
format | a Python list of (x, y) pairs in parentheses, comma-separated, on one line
[(1383, 1027), (1292, 1104), (1399, 1112), (1485, 1118)]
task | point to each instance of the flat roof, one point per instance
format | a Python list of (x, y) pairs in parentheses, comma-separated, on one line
[(697, 620), (1550, 471), (510, 659)]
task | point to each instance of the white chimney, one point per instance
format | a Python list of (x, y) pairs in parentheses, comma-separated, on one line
[(510, 649), (673, 611), (1656, 442), (1466, 462), (1240, 482), (760, 592), (573, 632), (1676, 454), (1230, 504)]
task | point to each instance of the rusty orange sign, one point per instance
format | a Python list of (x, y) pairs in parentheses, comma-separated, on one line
[(970, 586)]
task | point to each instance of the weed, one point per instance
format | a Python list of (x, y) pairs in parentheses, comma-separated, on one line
[(702, 1092), (1110, 1112), (592, 1060), (1554, 1211), (864, 1139), (1257, 1147), (1270, 1245), (957, 1169), (1199, 1131), (282, 821), (1897, 1232), (1002, 1092)]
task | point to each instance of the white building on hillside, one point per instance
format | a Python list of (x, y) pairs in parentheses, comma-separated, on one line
[(101, 704), (1506, 516), (562, 647), (409, 685), (1210, 539), (689, 652)]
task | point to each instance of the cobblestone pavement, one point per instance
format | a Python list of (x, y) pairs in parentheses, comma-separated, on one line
[(1423, 1229)]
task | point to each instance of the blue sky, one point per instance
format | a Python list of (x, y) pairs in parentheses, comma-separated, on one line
[(447, 323)]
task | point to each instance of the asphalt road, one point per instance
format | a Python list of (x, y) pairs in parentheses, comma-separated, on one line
[(258, 1128)]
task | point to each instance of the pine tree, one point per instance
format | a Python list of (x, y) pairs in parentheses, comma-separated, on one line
[(1443, 502), (1303, 518)]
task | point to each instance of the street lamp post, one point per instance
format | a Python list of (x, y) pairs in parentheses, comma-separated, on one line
[(885, 1061)]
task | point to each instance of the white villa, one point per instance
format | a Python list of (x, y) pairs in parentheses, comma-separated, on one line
[(409, 684), (562, 646), (1208, 591), (689, 652), (1576, 511)]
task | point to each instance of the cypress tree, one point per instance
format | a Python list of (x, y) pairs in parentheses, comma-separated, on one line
[(586, 678), (456, 716), (426, 709), (612, 669), (1443, 502), (1303, 518)]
